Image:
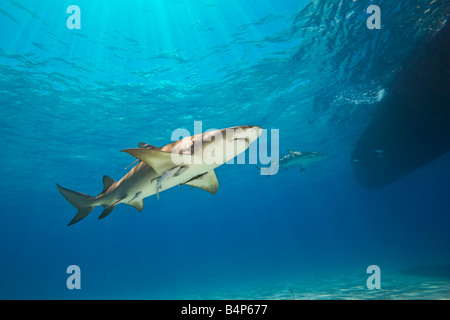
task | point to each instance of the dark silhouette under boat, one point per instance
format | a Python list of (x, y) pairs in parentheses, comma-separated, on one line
[(412, 125)]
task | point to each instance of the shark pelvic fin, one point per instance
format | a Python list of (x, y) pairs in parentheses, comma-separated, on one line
[(207, 181), (138, 204), (160, 161)]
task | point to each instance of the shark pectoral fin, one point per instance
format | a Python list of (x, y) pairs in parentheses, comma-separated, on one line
[(160, 161), (304, 166), (138, 204), (207, 182), (107, 183)]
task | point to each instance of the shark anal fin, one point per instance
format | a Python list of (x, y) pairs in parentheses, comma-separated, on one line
[(110, 208), (207, 182), (160, 161), (107, 183), (106, 212)]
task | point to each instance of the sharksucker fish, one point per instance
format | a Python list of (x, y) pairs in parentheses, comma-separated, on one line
[(185, 161), (167, 175)]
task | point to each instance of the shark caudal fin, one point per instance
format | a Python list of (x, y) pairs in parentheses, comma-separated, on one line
[(81, 201)]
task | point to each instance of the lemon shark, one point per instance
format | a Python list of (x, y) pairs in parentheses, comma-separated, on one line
[(293, 158), (302, 158), (189, 161)]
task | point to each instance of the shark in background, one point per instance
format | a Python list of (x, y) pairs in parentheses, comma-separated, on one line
[(189, 161), (301, 158), (293, 158)]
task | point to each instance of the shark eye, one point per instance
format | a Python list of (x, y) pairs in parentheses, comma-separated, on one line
[(245, 139)]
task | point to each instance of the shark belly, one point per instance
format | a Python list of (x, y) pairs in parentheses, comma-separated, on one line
[(191, 172), (145, 181)]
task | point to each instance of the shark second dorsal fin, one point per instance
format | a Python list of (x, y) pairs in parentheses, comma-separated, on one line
[(207, 182), (107, 183), (160, 161)]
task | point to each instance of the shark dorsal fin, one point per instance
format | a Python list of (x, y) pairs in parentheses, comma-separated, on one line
[(146, 146), (107, 183), (160, 161), (207, 182)]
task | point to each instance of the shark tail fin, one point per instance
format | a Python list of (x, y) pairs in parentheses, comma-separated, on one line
[(81, 201)]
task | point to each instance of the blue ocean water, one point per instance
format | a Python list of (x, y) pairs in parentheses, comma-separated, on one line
[(71, 99)]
